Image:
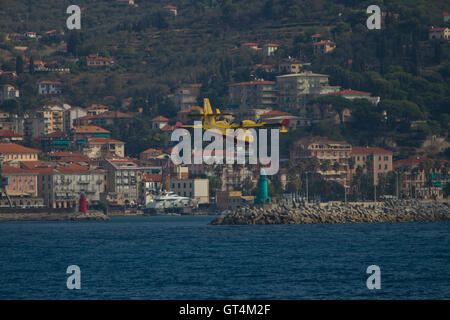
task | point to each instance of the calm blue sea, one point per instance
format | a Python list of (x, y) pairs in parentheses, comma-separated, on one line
[(184, 258)]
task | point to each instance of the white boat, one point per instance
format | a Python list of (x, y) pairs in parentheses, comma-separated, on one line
[(169, 203)]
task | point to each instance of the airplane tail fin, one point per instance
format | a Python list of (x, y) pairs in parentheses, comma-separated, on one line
[(207, 110)]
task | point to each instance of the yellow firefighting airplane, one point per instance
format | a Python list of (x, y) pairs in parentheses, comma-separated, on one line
[(209, 123)]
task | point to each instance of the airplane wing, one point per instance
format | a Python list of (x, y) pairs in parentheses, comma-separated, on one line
[(244, 125)]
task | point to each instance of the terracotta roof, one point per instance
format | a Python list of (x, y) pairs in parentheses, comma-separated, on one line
[(249, 44), (152, 151), (274, 113), (103, 140), (169, 127), (437, 29), (154, 177), (248, 83), (106, 115), (11, 170), (50, 82), (410, 161), (113, 115), (317, 139), (56, 134), (318, 35), (90, 129), (169, 7), (369, 150), (5, 133), (160, 119), (63, 154), (324, 42), (187, 110), (271, 45), (17, 148), (34, 164), (97, 106), (348, 92)]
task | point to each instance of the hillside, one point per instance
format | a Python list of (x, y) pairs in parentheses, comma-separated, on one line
[(155, 52)]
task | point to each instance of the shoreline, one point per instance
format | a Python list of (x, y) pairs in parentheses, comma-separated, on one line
[(375, 212), (53, 216)]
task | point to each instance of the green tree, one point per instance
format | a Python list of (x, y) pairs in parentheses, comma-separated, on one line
[(19, 65)]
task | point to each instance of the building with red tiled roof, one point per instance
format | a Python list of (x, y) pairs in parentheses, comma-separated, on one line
[(439, 33), (150, 154), (62, 184), (290, 65), (83, 133), (171, 9), (446, 16), (372, 159), (94, 60), (353, 94), (328, 151), (324, 46), (7, 135), (316, 37), (99, 147), (270, 48), (422, 177), (96, 109), (22, 182), (102, 119), (8, 91), (250, 45), (159, 122), (12, 151), (49, 87)]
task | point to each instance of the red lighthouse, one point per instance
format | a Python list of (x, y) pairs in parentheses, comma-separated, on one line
[(82, 207)]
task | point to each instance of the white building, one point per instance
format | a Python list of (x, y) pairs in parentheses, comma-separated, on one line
[(8, 92), (50, 87), (193, 188)]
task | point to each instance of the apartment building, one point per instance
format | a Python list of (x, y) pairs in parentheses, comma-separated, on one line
[(15, 152), (52, 119), (294, 90), (252, 95), (61, 186), (100, 147), (21, 182), (122, 178), (416, 181), (71, 114), (84, 133), (186, 96), (333, 153), (374, 160)]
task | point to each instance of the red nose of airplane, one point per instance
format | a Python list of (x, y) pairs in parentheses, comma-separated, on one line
[(285, 122)]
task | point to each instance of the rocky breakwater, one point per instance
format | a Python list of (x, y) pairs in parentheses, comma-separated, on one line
[(53, 216), (389, 211)]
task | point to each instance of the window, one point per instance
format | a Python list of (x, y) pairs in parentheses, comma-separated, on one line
[(379, 158), (386, 158), (379, 166), (385, 166)]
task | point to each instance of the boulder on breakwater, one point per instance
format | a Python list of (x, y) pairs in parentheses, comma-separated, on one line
[(361, 212), (53, 216)]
